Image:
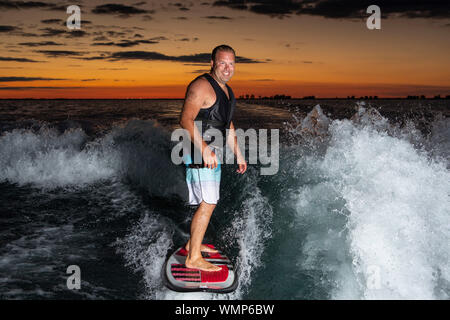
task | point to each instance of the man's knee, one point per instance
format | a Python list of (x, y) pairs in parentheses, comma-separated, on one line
[(208, 206)]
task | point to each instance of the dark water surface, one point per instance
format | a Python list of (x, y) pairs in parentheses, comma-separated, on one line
[(358, 209)]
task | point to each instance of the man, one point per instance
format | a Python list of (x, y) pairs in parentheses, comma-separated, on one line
[(210, 100)]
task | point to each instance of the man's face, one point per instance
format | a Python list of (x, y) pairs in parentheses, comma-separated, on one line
[(223, 67)]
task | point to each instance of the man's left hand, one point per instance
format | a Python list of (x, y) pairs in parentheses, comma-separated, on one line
[(242, 167)]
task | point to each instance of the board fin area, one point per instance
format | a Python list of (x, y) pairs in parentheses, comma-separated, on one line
[(183, 279)]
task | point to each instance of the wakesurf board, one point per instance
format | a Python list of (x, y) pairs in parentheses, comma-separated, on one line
[(182, 279)]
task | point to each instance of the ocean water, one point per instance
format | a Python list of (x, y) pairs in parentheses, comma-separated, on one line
[(359, 208)]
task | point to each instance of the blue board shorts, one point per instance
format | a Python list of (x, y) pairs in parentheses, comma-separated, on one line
[(203, 183)]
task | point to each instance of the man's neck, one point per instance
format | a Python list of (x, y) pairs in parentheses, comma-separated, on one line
[(223, 85)]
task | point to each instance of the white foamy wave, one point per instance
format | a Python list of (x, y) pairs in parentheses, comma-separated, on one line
[(138, 152), (145, 249), (251, 228), (50, 160), (314, 126), (398, 221)]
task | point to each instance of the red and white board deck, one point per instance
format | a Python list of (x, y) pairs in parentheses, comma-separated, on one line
[(183, 279)]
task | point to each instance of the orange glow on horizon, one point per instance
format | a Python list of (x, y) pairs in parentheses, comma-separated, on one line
[(299, 55)]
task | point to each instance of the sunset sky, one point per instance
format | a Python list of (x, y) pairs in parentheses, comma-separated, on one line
[(153, 49)]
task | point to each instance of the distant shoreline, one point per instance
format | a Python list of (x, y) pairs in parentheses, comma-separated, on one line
[(97, 116)]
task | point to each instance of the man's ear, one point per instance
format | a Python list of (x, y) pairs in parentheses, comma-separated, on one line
[(212, 64)]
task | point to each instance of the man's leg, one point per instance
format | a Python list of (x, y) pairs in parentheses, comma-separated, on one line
[(199, 225)]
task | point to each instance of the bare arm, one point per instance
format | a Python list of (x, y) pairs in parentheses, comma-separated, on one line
[(233, 144)]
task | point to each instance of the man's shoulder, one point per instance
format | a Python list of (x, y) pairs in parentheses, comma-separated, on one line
[(200, 84)]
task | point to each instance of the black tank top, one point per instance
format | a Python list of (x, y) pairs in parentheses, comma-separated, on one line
[(220, 114)]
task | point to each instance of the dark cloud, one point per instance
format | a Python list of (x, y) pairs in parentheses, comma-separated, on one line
[(115, 34), (156, 56), (51, 32), (76, 33), (238, 5), (350, 9), (24, 5), (200, 71), (342, 8), (121, 9), (247, 60), (61, 7), (124, 43), (101, 38), (437, 12), (52, 21), (391, 8), (17, 59), (38, 44), (101, 57), (196, 64), (141, 55), (187, 39), (60, 53), (275, 8), (218, 18), (7, 28), (15, 79), (26, 34), (82, 23), (160, 38)]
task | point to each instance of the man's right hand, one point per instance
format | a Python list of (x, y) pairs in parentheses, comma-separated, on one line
[(209, 158)]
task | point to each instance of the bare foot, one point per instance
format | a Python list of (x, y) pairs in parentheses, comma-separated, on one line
[(201, 264), (203, 248)]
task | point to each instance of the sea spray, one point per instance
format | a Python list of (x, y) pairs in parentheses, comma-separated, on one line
[(145, 249), (48, 159), (137, 153), (249, 230), (397, 201), (371, 212)]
